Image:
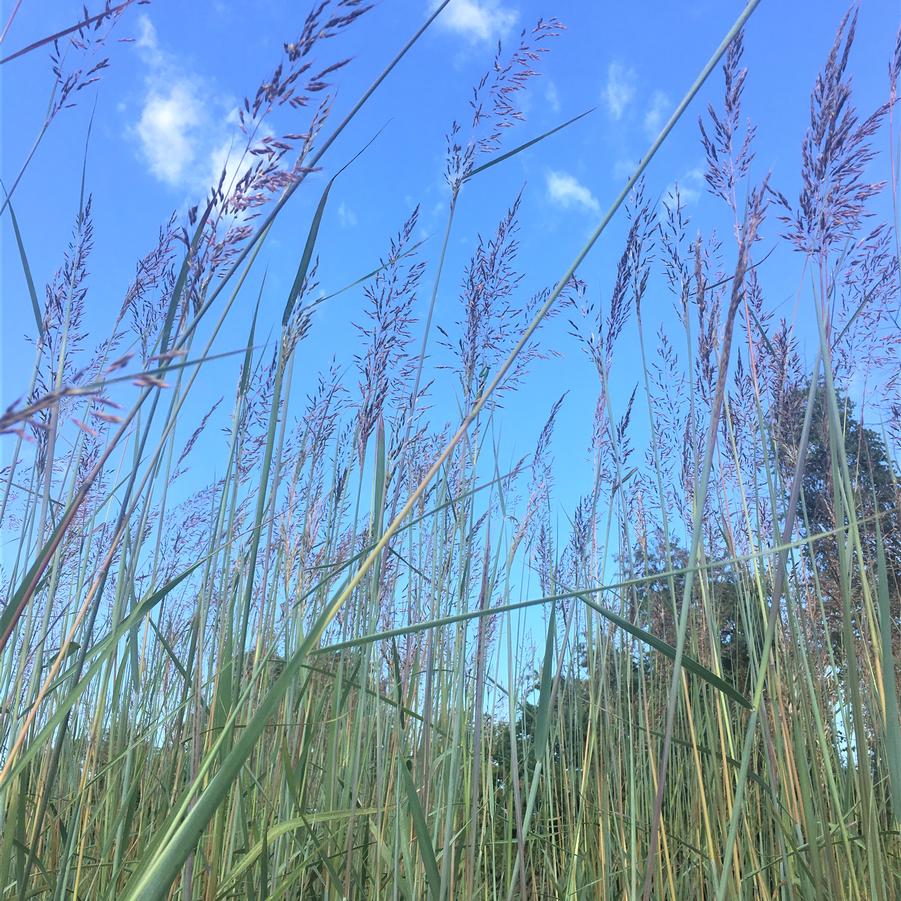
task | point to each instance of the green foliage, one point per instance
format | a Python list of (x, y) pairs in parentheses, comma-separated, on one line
[(825, 510)]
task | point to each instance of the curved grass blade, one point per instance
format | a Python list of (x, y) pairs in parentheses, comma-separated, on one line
[(285, 828)]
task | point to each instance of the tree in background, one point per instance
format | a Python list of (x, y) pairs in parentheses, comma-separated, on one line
[(724, 591), (824, 504)]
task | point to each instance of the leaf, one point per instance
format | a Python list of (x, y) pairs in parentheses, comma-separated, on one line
[(510, 153), (420, 826), (668, 650), (543, 716), (26, 268)]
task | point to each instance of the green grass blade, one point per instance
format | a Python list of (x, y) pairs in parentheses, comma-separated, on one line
[(26, 268), (421, 827)]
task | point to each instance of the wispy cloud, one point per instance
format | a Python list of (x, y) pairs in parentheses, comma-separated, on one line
[(653, 118), (568, 192), (689, 188), (147, 42), (347, 218), (552, 97), (619, 91), (186, 130), (623, 169), (478, 20)]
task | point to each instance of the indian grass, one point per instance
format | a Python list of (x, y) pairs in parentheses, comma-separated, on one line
[(315, 678)]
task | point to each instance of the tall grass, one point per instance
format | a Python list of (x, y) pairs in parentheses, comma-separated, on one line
[(365, 659)]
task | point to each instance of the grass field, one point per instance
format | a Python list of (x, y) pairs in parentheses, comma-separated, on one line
[(369, 656)]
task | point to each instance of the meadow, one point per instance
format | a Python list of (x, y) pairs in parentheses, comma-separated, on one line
[(330, 638)]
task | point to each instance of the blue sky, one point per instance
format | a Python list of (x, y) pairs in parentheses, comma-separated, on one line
[(165, 119)]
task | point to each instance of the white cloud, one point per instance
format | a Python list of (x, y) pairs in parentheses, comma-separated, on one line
[(167, 131), (567, 191), (346, 216), (478, 20), (653, 117), (619, 91), (186, 130), (552, 97)]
